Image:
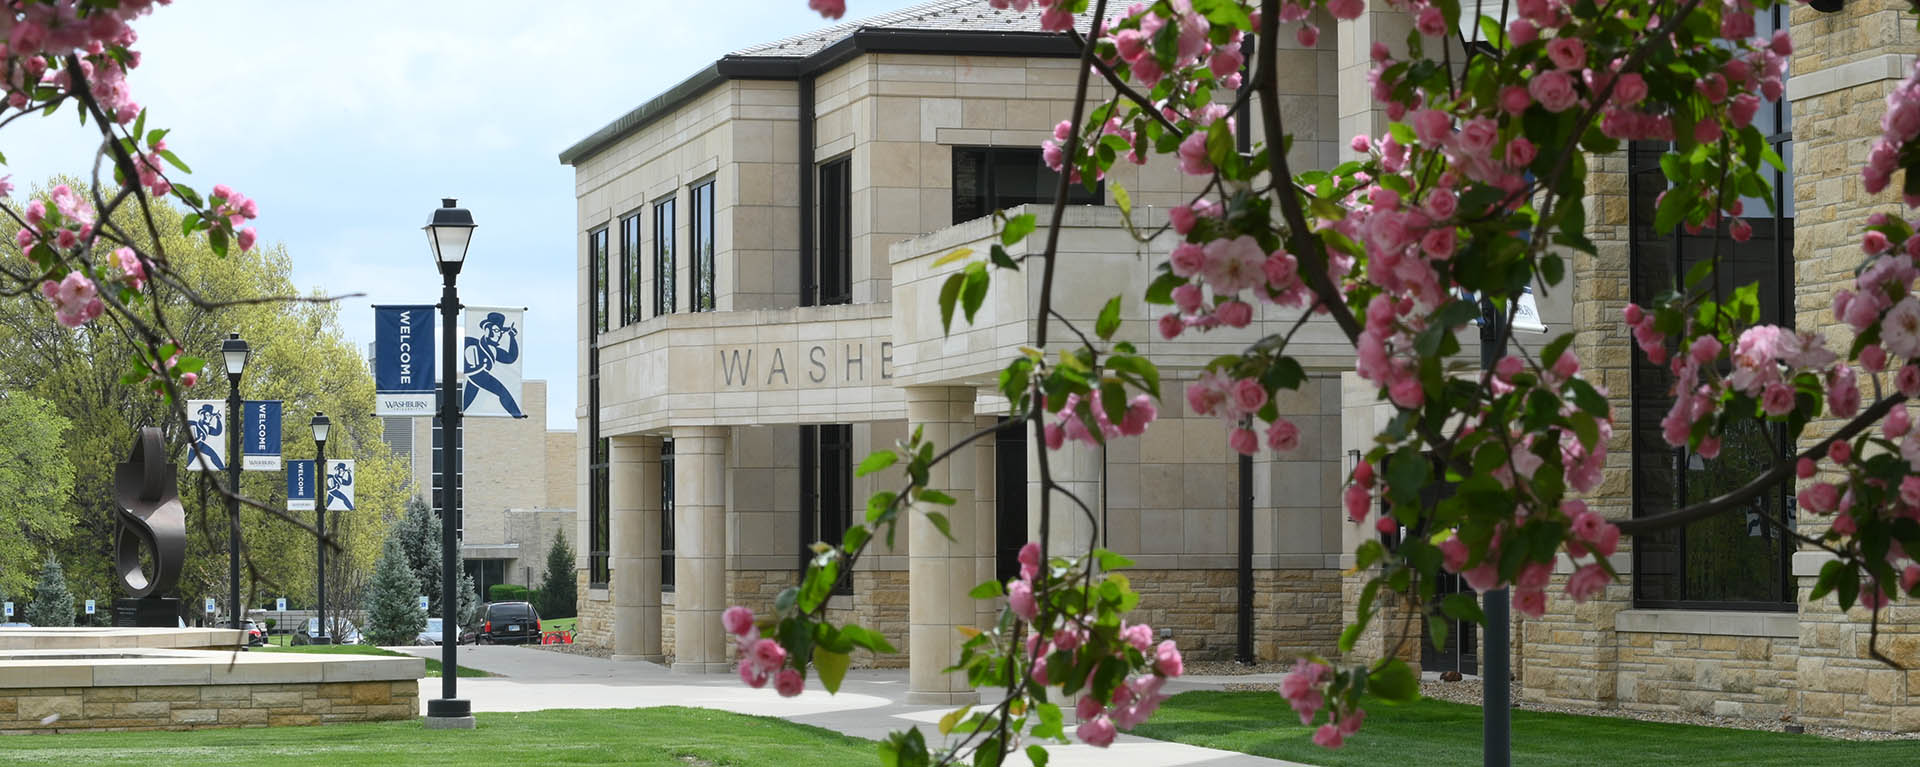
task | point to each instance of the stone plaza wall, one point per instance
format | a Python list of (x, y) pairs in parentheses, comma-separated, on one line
[(193, 707), (1295, 611), (595, 625)]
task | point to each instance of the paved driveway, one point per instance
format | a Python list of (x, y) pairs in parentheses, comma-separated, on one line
[(869, 705)]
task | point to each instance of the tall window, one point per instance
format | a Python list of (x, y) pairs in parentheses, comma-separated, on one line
[(826, 485), (1010, 501), (630, 270), (832, 280), (599, 493), (1732, 561), (597, 256), (666, 515), (663, 295), (702, 255), (986, 179)]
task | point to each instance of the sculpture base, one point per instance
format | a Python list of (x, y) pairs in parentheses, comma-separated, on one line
[(146, 612)]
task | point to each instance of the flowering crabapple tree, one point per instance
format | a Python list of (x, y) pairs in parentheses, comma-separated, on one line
[(1476, 189), (70, 252)]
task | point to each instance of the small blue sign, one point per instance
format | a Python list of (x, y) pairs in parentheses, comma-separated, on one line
[(423, 603), (210, 608), (403, 381), (300, 486), (260, 443), (280, 605), (89, 607)]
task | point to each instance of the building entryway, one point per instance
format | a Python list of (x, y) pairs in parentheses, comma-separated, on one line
[(1461, 653)]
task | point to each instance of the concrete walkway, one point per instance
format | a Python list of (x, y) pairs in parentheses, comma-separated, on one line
[(870, 704)]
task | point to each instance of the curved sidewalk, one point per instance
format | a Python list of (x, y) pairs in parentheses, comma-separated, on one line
[(869, 705)]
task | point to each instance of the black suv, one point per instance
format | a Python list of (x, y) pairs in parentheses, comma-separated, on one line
[(510, 623)]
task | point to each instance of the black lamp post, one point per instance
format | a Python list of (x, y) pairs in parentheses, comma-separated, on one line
[(320, 427), (1496, 676), (235, 352), (448, 230)]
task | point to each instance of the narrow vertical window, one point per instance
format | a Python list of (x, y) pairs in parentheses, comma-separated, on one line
[(826, 487), (702, 255), (663, 295), (833, 282), (599, 522), (597, 257), (631, 305), (666, 515)]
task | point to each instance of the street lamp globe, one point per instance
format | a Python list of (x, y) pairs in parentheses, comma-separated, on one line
[(448, 230), (235, 351), (320, 425)]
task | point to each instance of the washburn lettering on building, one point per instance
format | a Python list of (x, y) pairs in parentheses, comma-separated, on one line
[(737, 367)]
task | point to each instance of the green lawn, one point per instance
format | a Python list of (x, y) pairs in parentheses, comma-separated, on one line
[(675, 737), (433, 666), (558, 624), (1432, 733)]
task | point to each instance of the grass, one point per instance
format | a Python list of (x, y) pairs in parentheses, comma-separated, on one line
[(558, 624), (1436, 733), (652, 737), (433, 666)]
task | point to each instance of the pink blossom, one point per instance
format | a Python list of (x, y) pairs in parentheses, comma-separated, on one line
[(1453, 554), (1140, 635), (1873, 358), (1329, 735), (1406, 392), (245, 238), (1910, 578), (831, 9), (1088, 708), (1629, 88), (1608, 539), (1805, 468), (189, 379), (1248, 395), (1283, 436), (1522, 32), (1182, 217), (1530, 602), (1307, 35), (1900, 330), (1170, 327), (789, 683), (1432, 126), (1361, 143), (1820, 497), (1908, 380), (1553, 89), (1020, 598), (1097, 732), (1515, 99), (752, 674), (737, 619), (1357, 501), (1778, 400), (1193, 155), (1234, 265), (1567, 53), (769, 655), (1484, 578), (1038, 673), (1244, 441), (1430, 22), (1301, 688), (1166, 659), (1520, 152), (1587, 582), (1840, 451), (1898, 423), (1234, 314), (1189, 298)]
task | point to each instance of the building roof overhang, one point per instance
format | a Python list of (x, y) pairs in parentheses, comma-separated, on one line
[(859, 42)]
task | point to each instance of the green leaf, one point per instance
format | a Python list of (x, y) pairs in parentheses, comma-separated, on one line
[(940, 522), (878, 504), (974, 293), (1017, 229), (949, 296), (878, 461), (1000, 258), (175, 161), (1160, 292), (987, 590), (930, 495), (832, 667), (217, 238), (1036, 754), (188, 223), (1462, 607), (1394, 682), (957, 254), (904, 749), (953, 718), (1672, 209), (1109, 320), (1111, 561), (856, 537), (862, 636), (1121, 199)]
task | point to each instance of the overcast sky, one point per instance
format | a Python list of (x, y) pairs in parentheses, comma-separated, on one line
[(348, 121)]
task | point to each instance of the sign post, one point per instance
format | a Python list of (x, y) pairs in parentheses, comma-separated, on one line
[(403, 360)]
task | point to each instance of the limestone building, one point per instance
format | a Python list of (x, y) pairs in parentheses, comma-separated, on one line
[(517, 482), (758, 312)]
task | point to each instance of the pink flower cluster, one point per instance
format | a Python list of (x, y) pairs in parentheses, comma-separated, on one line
[(1899, 127), (1305, 689), (65, 226), (76, 300), (761, 659), (1132, 702), (1068, 425), (237, 209), (39, 34)]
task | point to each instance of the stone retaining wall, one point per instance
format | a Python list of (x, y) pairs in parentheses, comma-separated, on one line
[(193, 707), (1295, 611)]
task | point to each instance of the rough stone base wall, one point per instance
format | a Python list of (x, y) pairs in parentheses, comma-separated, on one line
[(1395, 627), (1295, 611), (595, 625), (1571, 656), (1840, 683), (194, 707), (1706, 674), (878, 602)]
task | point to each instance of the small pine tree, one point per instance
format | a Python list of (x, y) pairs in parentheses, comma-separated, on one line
[(393, 608), (469, 607), (559, 592), (52, 603), (419, 533)]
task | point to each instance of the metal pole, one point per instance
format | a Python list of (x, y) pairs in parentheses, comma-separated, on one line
[(234, 418), (320, 543), (1496, 703), (448, 706)]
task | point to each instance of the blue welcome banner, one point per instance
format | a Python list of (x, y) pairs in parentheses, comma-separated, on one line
[(403, 360), (300, 486), (260, 442)]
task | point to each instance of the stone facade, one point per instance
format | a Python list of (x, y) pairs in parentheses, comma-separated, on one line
[(1295, 612), (194, 707)]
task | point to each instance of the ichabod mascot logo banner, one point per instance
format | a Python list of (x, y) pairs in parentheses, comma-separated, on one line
[(490, 360), (300, 486), (339, 485), (260, 443), (208, 417), (403, 360)]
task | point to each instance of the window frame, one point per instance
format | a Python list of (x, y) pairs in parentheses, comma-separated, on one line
[(666, 515), (597, 256), (702, 290), (991, 158), (824, 449), (665, 297), (632, 300), (830, 282), (599, 487)]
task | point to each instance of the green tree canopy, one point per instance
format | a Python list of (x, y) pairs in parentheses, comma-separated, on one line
[(36, 484)]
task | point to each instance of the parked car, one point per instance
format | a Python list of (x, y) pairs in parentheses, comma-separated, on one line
[(431, 635), (510, 623), (256, 634)]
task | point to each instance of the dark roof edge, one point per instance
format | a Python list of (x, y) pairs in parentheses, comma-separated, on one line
[(863, 41)]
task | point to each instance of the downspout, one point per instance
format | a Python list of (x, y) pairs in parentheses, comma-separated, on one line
[(809, 279), (1243, 646)]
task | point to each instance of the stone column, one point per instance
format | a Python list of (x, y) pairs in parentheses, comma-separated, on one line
[(1076, 467), (941, 572), (699, 548), (986, 519), (634, 518)]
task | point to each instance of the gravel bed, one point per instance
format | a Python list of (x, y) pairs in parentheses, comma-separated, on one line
[(574, 649), (1232, 668), (1468, 691)]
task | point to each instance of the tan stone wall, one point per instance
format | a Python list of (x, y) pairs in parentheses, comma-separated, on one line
[(194, 707), (878, 602), (1721, 675), (1295, 611), (595, 627)]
